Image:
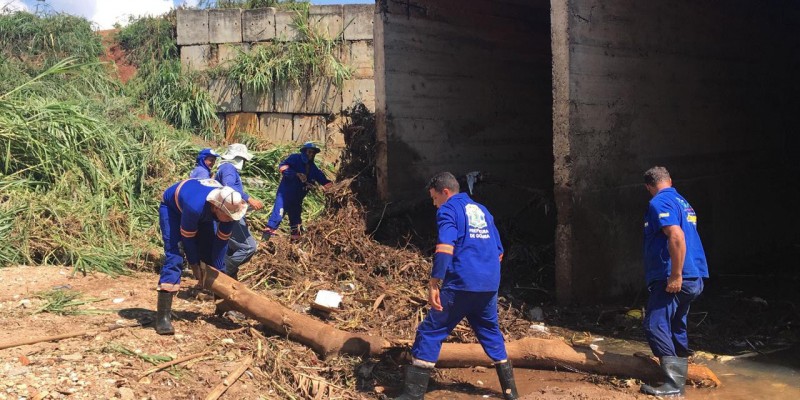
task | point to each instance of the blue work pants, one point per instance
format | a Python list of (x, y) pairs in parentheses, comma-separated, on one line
[(666, 316), (480, 308)]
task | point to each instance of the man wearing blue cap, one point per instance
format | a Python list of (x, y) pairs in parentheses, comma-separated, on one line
[(299, 174), (205, 161)]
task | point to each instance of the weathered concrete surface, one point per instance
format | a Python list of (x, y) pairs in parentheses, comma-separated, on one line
[(356, 91), (238, 123), (327, 20), (257, 101), (226, 53), (466, 86), (258, 25), (275, 128), (284, 26), (226, 94), (320, 96), (699, 87), (361, 56), (308, 127), (192, 27), (225, 26), (196, 58), (358, 21)]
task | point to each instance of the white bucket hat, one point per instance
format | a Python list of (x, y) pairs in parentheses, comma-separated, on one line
[(237, 150), (228, 200)]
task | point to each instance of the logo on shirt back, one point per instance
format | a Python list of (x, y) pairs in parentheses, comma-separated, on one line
[(476, 220), (475, 217)]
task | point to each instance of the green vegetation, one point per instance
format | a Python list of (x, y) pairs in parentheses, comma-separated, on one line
[(176, 96), (312, 55), (251, 4), (81, 172), (82, 166), (64, 302)]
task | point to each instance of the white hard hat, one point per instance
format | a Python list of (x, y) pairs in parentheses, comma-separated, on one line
[(237, 150), (228, 200)]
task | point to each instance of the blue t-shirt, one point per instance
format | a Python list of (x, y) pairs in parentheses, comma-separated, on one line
[(469, 251), (669, 208), (228, 175)]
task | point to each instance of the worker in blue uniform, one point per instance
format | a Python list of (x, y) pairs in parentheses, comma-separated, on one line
[(205, 161), (200, 214), (299, 173), (675, 265), (242, 245), (463, 283)]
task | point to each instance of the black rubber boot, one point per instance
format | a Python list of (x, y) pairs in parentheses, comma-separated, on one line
[(416, 383), (675, 369), (164, 314), (505, 372)]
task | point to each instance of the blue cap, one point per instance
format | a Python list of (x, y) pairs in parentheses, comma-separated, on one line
[(309, 145)]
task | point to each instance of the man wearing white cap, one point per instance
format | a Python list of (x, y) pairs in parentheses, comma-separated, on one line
[(242, 245), (200, 214)]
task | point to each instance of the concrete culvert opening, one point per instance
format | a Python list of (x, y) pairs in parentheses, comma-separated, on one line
[(568, 102), (466, 86)]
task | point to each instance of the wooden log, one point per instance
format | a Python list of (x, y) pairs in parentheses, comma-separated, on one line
[(555, 353), (524, 353), (54, 338), (319, 336), (230, 379)]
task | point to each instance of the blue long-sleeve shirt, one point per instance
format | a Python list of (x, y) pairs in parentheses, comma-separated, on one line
[(201, 171), (188, 198), (299, 163), (228, 175), (469, 250)]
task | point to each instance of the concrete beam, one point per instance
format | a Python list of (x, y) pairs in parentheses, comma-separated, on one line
[(257, 101), (358, 21), (276, 128), (327, 20), (238, 123), (229, 51), (258, 25), (192, 27), (362, 58), (359, 90), (225, 25), (196, 58), (226, 94), (284, 26), (308, 128)]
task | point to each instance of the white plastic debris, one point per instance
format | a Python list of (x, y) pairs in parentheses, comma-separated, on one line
[(227, 341), (594, 347), (118, 300), (539, 328), (536, 314), (327, 298), (472, 177), (25, 303)]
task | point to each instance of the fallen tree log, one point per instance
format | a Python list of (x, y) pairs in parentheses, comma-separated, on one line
[(536, 353)]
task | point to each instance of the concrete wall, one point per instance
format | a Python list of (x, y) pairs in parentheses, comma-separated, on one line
[(707, 89), (465, 85), (208, 38)]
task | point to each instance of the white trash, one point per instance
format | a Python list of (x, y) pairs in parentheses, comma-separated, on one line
[(327, 298)]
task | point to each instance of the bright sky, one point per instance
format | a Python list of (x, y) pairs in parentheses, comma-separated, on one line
[(106, 12)]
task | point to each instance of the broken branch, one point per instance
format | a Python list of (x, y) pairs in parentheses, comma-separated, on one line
[(230, 380)]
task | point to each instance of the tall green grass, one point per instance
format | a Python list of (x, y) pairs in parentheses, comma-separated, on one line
[(296, 62), (170, 93)]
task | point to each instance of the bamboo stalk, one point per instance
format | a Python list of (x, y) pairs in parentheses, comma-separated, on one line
[(168, 364), (230, 380)]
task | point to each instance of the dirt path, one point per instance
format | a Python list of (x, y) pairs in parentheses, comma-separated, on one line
[(110, 364)]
